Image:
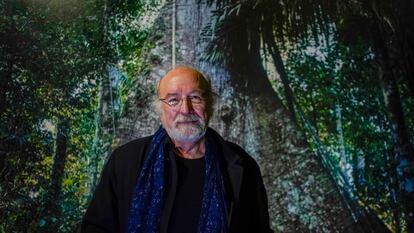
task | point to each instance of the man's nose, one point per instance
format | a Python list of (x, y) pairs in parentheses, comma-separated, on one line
[(186, 106)]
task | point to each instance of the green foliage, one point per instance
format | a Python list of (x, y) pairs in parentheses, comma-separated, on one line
[(49, 70), (130, 24), (54, 55), (324, 75)]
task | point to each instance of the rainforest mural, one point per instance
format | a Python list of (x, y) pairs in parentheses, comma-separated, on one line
[(320, 93)]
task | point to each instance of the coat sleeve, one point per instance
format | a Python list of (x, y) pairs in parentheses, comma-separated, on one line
[(101, 215), (108, 209), (251, 212), (260, 207)]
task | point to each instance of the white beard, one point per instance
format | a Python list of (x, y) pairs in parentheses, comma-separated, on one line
[(187, 132)]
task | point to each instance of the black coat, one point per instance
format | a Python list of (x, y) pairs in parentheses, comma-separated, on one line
[(108, 210)]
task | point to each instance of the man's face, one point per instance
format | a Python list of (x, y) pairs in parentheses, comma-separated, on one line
[(187, 121)]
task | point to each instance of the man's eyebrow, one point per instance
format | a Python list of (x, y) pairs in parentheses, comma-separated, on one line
[(197, 92), (191, 93), (171, 94)]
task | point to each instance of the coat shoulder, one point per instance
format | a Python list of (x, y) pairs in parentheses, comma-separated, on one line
[(246, 160), (130, 153), (130, 148)]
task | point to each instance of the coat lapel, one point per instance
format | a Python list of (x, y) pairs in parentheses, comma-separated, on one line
[(234, 170), (233, 164)]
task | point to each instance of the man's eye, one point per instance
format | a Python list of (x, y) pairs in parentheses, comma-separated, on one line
[(196, 99), (173, 101)]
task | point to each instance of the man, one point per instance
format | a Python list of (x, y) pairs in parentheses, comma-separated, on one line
[(183, 179)]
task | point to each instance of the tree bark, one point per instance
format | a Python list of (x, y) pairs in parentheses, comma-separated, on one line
[(52, 205), (104, 126), (105, 115)]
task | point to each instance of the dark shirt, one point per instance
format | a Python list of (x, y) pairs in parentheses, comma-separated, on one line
[(187, 204)]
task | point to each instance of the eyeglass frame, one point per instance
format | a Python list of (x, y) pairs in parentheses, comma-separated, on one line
[(179, 103)]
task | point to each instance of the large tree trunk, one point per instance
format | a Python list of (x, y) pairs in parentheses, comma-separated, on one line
[(52, 212), (302, 196), (104, 125), (105, 114)]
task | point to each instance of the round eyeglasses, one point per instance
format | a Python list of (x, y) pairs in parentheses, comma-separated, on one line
[(175, 101)]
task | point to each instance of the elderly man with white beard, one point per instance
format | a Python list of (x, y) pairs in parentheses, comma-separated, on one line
[(183, 179)]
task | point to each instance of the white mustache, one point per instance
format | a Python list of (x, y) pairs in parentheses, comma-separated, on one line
[(182, 118)]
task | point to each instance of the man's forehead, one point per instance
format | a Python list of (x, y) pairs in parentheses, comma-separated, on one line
[(180, 77), (183, 70)]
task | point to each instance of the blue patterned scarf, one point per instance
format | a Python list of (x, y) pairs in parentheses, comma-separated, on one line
[(149, 193)]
